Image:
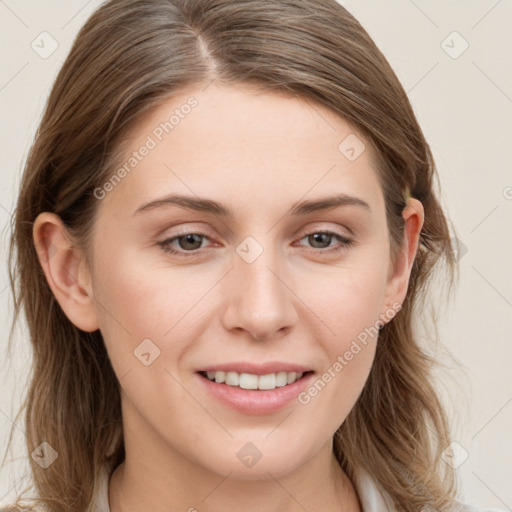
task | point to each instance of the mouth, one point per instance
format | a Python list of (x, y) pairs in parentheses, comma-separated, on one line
[(255, 393), (252, 381), (255, 388)]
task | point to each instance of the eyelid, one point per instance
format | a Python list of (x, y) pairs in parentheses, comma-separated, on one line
[(344, 241), (321, 228)]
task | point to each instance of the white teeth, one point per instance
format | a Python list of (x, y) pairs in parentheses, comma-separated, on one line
[(232, 379), (248, 381), (281, 379), (267, 381), (220, 376), (251, 381)]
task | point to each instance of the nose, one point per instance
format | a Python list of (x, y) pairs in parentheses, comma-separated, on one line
[(260, 296)]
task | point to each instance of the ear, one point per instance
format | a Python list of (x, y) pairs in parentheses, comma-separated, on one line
[(65, 270), (400, 271)]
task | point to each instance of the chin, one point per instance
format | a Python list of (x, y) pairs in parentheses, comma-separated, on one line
[(239, 465)]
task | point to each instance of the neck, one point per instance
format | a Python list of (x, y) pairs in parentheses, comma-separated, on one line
[(145, 484), (157, 475)]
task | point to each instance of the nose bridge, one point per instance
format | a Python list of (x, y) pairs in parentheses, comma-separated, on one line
[(260, 302)]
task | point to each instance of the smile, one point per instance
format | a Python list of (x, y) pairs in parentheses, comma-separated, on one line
[(253, 381), (255, 394)]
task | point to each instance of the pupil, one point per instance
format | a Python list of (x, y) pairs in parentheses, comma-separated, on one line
[(317, 237), (190, 239)]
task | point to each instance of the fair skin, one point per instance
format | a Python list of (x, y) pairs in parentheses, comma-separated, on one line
[(258, 154)]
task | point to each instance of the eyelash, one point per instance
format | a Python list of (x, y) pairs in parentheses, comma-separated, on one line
[(345, 242)]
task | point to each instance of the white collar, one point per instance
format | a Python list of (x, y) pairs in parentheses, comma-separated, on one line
[(371, 497)]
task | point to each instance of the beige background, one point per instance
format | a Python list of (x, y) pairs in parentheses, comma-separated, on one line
[(464, 104)]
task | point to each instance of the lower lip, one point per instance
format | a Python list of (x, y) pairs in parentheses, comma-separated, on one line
[(256, 402)]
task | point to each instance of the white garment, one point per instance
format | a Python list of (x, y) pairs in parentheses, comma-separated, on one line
[(371, 497)]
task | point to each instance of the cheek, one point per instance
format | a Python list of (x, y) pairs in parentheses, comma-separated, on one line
[(350, 301), (349, 298), (140, 300), (174, 307)]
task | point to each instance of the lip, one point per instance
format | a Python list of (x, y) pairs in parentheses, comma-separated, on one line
[(256, 369), (255, 402)]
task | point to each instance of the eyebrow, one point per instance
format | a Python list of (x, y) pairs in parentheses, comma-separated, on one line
[(213, 207)]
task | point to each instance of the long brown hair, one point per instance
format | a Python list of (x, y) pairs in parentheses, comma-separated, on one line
[(128, 58)]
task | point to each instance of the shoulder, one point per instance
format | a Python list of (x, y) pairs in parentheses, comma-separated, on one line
[(375, 499)]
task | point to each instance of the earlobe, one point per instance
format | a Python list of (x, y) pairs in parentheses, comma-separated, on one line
[(63, 265), (398, 281)]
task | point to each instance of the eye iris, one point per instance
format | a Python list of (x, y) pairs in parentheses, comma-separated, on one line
[(317, 237), (190, 239)]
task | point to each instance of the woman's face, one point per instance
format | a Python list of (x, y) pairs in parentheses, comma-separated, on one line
[(250, 286)]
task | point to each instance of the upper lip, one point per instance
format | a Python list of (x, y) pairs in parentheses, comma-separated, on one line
[(256, 369)]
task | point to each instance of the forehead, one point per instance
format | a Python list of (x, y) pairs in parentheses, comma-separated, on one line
[(244, 142)]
